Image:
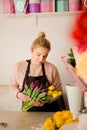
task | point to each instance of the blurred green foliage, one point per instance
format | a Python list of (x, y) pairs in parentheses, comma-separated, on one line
[(71, 58)]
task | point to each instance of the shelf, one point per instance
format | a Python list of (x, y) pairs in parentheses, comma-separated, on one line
[(42, 14)]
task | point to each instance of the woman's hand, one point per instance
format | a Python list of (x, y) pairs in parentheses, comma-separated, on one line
[(38, 104), (21, 96)]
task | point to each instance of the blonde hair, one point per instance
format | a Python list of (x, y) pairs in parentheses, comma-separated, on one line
[(41, 41)]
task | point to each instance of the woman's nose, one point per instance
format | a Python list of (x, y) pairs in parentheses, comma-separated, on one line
[(41, 58)]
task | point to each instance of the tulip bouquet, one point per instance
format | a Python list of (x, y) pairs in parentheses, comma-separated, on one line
[(41, 93)]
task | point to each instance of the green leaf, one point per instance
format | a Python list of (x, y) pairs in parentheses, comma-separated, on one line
[(29, 92), (47, 84), (41, 95), (25, 87), (70, 55), (33, 93)]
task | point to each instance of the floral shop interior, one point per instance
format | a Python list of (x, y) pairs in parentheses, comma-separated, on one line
[(64, 22)]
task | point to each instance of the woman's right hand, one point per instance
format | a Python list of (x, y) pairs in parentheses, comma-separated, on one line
[(21, 96)]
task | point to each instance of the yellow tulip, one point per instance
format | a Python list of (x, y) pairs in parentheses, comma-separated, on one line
[(56, 93), (51, 88), (50, 92)]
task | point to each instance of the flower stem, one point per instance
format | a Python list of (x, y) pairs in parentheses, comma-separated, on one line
[(27, 105)]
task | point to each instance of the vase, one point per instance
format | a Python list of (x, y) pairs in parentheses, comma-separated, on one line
[(74, 97)]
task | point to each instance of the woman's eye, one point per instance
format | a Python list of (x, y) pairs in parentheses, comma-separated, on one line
[(45, 56), (38, 55)]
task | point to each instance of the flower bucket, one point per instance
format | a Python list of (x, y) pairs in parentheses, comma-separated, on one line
[(74, 99)]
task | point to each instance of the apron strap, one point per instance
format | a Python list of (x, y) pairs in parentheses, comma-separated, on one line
[(28, 67), (27, 71), (43, 69)]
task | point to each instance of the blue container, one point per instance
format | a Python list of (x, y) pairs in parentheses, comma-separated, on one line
[(61, 5), (19, 5)]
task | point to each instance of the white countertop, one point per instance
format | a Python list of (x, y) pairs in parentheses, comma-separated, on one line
[(18, 120)]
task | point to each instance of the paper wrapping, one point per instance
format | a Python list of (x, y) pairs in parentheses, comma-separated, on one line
[(72, 72), (74, 99)]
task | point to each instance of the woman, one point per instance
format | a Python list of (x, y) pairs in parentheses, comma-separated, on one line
[(37, 68)]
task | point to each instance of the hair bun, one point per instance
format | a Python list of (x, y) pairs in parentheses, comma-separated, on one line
[(41, 34)]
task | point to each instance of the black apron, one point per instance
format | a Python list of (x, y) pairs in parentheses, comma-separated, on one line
[(57, 105)]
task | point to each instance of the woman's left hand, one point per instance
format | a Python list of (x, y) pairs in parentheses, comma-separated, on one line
[(37, 103)]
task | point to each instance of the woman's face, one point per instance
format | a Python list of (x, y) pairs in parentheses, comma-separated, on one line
[(39, 55)]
